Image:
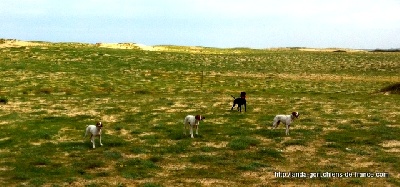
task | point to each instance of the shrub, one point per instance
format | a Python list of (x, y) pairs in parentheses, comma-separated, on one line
[(3, 100), (393, 88)]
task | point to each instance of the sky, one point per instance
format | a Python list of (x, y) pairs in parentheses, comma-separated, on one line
[(357, 24)]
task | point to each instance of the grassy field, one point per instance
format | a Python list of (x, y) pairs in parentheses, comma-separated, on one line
[(50, 93)]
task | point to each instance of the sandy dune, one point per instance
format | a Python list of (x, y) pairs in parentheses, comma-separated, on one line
[(129, 46), (4, 43)]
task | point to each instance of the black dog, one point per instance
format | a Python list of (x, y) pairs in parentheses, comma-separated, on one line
[(240, 101)]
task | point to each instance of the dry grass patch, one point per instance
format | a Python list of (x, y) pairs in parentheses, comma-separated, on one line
[(390, 144)]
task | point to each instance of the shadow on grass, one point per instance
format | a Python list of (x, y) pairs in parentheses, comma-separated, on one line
[(137, 168), (242, 143)]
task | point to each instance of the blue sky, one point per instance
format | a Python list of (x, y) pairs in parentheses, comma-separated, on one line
[(359, 24)]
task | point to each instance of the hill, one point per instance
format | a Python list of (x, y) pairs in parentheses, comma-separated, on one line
[(194, 49)]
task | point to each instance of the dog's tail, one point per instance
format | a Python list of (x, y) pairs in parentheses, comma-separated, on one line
[(184, 121), (233, 97), (86, 131)]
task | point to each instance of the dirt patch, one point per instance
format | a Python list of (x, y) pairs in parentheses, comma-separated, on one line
[(211, 144), (110, 118), (312, 77), (147, 134), (131, 156), (330, 50), (179, 105), (18, 43), (330, 128), (210, 182), (218, 121), (129, 46), (173, 110), (295, 148), (391, 144), (252, 121), (361, 163), (393, 150), (76, 112)]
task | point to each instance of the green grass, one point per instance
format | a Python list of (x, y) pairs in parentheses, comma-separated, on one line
[(49, 94), (242, 143)]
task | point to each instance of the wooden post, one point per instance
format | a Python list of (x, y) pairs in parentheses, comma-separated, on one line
[(202, 78)]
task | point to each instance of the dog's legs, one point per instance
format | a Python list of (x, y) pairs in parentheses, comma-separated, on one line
[(100, 140), (197, 129), (233, 106), (191, 131), (245, 107), (92, 140), (287, 129)]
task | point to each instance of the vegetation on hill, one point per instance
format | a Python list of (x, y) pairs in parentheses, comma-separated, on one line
[(392, 88), (346, 129)]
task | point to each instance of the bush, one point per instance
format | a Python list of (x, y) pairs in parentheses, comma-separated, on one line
[(393, 88), (3, 100)]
